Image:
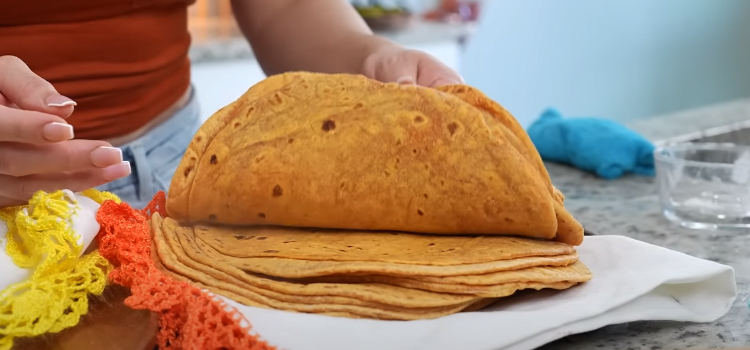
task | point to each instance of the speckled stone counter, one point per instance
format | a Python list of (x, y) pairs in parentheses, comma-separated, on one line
[(630, 207)]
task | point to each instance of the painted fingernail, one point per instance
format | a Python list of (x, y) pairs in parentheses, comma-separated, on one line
[(57, 132), (60, 101), (114, 172), (104, 156), (407, 80)]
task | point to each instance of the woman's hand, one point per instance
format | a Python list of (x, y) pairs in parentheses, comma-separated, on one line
[(409, 67), (37, 150), (329, 36)]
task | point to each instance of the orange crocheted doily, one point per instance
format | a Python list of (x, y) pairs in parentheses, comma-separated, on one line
[(189, 318)]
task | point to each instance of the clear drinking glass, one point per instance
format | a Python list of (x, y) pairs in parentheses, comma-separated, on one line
[(704, 185)]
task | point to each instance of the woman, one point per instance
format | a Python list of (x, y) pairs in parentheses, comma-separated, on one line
[(122, 66)]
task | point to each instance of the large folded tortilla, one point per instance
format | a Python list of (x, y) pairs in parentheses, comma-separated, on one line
[(346, 152)]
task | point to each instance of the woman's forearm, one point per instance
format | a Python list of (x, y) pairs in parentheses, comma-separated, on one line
[(311, 35)]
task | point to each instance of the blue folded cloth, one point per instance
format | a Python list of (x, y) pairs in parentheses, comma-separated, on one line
[(598, 145)]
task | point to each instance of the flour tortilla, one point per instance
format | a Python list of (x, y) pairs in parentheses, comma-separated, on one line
[(575, 274), (375, 293), (169, 249), (296, 150), (175, 245), (390, 247), (251, 298), (505, 127), (293, 268)]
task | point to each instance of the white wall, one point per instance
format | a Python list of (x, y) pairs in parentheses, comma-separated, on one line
[(219, 83), (619, 59)]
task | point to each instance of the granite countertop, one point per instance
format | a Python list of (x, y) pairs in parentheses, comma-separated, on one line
[(209, 47), (630, 207)]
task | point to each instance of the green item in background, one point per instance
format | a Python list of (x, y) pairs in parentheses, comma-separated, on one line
[(375, 10)]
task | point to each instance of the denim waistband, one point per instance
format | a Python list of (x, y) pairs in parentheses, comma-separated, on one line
[(154, 156), (180, 122)]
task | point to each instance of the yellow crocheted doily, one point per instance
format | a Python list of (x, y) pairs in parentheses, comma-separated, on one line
[(40, 237)]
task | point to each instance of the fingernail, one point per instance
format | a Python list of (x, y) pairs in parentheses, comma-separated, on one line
[(58, 132), (60, 101), (114, 172), (104, 156), (407, 80)]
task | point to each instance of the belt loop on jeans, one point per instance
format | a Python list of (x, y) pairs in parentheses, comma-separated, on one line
[(143, 171)]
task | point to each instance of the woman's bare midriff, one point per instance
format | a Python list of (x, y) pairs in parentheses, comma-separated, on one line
[(162, 117)]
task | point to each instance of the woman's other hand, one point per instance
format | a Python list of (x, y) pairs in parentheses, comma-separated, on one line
[(37, 149), (329, 36), (409, 66)]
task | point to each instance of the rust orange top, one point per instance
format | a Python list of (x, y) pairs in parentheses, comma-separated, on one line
[(123, 61)]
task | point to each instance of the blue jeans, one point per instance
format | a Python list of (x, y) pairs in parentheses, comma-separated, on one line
[(154, 156)]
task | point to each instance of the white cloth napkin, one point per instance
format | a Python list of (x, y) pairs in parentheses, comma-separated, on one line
[(632, 281)]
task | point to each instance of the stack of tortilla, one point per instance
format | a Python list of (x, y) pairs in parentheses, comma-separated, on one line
[(384, 275), (340, 195)]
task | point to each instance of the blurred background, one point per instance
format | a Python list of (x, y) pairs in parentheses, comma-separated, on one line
[(623, 60)]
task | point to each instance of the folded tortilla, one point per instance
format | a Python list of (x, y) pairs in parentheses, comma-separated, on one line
[(346, 152)]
